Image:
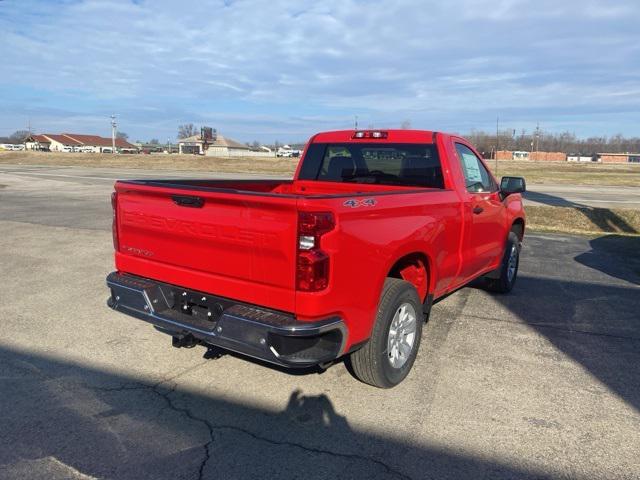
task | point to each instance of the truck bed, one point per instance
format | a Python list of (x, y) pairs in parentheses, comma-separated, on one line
[(237, 238), (281, 188)]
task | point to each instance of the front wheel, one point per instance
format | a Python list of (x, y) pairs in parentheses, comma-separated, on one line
[(507, 273), (389, 354)]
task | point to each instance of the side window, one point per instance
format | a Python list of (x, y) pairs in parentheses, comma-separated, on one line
[(475, 173)]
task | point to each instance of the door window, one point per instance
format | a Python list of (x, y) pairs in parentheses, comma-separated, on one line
[(476, 175)]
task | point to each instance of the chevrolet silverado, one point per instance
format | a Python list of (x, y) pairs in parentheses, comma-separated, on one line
[(344, 260)]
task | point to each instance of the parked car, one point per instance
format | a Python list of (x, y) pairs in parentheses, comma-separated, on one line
[(345, 260), (12, 146)]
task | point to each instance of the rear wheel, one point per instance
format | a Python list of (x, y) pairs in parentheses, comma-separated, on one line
[(507, 273), (389, 354)]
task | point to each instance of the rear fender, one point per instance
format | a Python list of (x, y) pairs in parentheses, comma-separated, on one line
[(409, 275)]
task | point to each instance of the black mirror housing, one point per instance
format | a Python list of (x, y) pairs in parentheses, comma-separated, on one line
[(510, 185)]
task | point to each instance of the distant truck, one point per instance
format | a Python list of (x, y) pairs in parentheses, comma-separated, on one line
[(287, 151), (345, 260)]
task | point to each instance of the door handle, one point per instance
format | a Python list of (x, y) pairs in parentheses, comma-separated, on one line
[(188, 201), (478, 210)]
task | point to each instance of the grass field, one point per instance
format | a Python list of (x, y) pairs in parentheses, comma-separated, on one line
[(583, 220), (534, 172), (571, 173), (273, 166)]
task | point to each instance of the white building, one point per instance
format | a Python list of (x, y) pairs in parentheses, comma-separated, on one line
[(62, 143), (218, 146), (581, 158), (75, 142), (37, 142)]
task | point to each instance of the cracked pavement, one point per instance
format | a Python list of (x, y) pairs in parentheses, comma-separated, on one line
[(542, 383)]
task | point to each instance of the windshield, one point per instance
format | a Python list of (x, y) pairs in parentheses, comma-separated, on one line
[(386, 164)]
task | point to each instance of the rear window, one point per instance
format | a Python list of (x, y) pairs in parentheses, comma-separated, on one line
[(387, 164)]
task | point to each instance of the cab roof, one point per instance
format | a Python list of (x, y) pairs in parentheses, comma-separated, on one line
[(392, 136)]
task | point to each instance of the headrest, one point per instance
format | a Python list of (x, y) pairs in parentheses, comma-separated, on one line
[(340, 167)]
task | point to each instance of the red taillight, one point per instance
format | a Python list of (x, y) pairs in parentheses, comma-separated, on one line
[(312, 267), (114, 222), (375, 134)]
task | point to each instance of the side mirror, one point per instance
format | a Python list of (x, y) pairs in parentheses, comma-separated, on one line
[(509, 185)]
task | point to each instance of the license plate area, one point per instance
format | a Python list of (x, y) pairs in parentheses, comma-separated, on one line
[(198, 309)]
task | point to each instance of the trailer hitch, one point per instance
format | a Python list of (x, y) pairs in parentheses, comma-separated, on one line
[(182, 340)]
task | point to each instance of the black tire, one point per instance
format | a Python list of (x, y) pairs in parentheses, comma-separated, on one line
[(503, 281), (373, 363)]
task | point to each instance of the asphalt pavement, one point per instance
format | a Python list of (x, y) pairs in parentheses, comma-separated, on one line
[(541, 383), (602, 196)]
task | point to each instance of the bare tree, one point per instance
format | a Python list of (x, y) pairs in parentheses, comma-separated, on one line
[(154, 141), (566, 142), (19, 136), (187, 130), (406, 125), (255, 144), (122, 135)]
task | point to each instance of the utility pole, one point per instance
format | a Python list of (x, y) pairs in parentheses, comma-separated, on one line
[(497, 141), (356, 122), (113, 133), (537, 138)]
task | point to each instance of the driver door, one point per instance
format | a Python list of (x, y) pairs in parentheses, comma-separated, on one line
[(484, 229)]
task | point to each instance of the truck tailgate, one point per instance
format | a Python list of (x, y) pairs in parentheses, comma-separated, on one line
[(240, 246)]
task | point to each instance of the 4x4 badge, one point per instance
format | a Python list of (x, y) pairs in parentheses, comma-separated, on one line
[(355, 203)]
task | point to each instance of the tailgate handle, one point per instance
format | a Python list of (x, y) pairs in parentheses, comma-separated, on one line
[(188, 201)]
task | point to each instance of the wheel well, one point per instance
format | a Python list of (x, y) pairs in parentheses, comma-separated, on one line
[(518, 227), (414, 268)]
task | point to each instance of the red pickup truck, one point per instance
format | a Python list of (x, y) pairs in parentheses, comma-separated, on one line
[(343, 260)]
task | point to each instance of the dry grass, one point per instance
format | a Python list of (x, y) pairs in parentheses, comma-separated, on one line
[(583, 220), (273, 166), (534, 172), (625, 174)]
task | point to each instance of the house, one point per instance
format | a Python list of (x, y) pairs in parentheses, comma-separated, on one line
[(574, 157), (37, 142), (619, 157), (217, 146), (512, 155), (62, 143), (75, 142), (535, 156), (97, 144), (548, 156)]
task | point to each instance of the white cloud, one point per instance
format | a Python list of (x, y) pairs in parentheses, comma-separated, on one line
[(285, 62)]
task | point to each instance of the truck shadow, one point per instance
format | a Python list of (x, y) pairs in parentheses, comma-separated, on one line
[(614, 255), (590, 317), (595, 325), (62, 420), (604, 219)]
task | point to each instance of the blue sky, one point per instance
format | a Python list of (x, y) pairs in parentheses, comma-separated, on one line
[(283, 70)]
